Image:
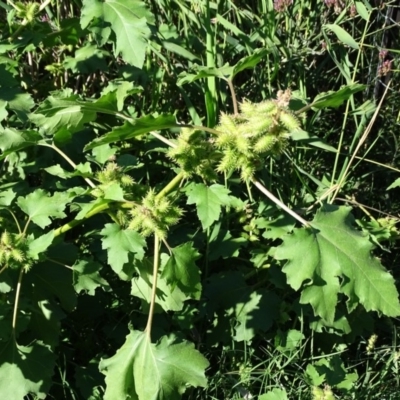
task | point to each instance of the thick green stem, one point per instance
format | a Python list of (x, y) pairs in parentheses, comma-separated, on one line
[(172, 185), (69, 161), (17, 293), (156, 263), (263, 190), (100, 208)]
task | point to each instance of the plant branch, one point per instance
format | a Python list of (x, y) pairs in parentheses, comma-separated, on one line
[(265, 191), (70, 162), (17, 293), (233, 94), (171, 185), (154, 286), (75, 222)]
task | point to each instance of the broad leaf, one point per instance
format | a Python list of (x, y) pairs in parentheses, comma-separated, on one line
[(128, 20), (223, 245), (182, 271), (7, 197), (138, 127), (83, 170), (40, 244), (52, 281), (335, 99), (61, 112), (12, 140), (39, 206), (24, 370), (249, 62), (342, 35), (254, 311), (317, 257), (167, 298), (275, 394), (394, 184), (141, 370), (87, 278), (119, 243), (208, 201), (14, 99), (115, 94), (87, 59), (204, 72)]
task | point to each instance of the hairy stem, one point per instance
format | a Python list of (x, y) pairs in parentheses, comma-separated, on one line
[(265, 191), (233, 94), (70, 162), (171, 185), (75, 222), (17, 293), (156, 263)]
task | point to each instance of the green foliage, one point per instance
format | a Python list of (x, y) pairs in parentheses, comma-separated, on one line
[(143, 370), (171, 201), (334, 249)]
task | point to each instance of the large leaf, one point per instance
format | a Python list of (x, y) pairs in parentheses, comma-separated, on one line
[(168, 298), (128, 20), (11, 95), (24, 370), (181, 269), (208, 201), (336, 99), (86, 276), (334, 249), (137, 127), (119, 244), (342, 35), (141, 370), (275, 394), (224, 72), (12, 140), (61, 112), (52, 281), (39, 206), (87, 59)]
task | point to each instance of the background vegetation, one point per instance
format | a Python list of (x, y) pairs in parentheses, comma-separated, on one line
[(100, 186)]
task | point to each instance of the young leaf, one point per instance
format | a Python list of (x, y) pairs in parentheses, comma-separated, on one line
[(249, 61), (39, 206), (275, 394), (115, 93), (181, 269), (40, 244), (138, 127), (168, 298), (6, 197), (335, 99), (333, 249), (254, 311), (204, 72), (128, 19), (86, 276), (24, 370), (141, 370), (13, 140), (87, 60), (53, 281), (394, 184), (208, 201), (342, 35), (119, 243), (61, 112)]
